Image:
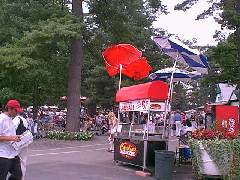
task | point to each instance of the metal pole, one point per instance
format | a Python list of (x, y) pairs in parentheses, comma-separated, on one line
[(130, 129), (165, 118), (119, 86), (147, 125), (168, 98), (171, 82), (120, 77), (145, 142)]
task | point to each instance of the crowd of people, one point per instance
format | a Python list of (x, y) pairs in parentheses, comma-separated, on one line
[(55, 119), (181, 122)]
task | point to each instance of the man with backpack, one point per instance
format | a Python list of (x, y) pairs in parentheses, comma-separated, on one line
[(9, 160)]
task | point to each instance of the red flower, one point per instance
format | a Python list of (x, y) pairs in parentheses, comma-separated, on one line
[(202, 134)]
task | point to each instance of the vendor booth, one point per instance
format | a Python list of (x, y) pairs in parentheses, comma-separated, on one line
[(141, 123)]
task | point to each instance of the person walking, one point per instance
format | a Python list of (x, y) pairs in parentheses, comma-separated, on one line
[(112, 119), (9, 159), (98, 120), (21, 125), (178, 121)]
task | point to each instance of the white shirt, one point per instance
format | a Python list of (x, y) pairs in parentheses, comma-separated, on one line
[(7, 129)]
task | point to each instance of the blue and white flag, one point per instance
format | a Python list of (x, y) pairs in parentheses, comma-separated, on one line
[(181, 53)]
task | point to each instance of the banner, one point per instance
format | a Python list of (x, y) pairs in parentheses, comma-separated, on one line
[(138, 105), (227, 119)]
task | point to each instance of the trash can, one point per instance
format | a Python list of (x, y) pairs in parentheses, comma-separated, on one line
[(164, 163)]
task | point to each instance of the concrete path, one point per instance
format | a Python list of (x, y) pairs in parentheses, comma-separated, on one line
[(87, 160)]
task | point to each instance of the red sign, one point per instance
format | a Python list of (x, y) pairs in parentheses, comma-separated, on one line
[(128, 150), (227, 120)]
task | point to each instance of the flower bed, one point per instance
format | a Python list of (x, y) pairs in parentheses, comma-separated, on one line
[(60, 135), (224, 151)]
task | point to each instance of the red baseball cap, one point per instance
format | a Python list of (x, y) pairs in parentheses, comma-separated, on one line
[(14, 104)]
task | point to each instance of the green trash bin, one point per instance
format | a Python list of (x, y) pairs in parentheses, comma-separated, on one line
[(164, 163)]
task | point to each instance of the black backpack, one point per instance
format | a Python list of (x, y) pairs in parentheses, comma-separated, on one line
[(21, 128), (188, 123)]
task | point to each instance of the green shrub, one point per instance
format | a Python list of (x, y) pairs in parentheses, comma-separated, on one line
[(224, 152), (60, 135), (196, 157), (221, 152)]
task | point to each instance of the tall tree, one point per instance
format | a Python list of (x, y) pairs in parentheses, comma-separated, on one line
[(74, 81), (179, 101), (36, 49)]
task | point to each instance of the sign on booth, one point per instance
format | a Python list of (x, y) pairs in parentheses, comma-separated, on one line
[(138, 105), (227, 119)]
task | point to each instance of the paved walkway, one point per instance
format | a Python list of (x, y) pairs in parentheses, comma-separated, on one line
[(74, 160)]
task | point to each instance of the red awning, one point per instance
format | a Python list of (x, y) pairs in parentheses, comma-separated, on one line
[(155, 91)]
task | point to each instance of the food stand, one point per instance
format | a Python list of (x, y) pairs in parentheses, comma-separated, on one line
[(140, 131)]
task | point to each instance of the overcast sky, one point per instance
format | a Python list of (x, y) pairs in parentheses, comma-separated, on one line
[(184, 24)]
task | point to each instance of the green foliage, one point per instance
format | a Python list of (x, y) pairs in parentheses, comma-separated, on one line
[(200, 93), (224, 58), (101, 84), (79, 136), (225, 153), (221, 152), (231, 13), (236, 159), (179, 100), (185, 5), (35, 48), (6, 94), (35, 37), (196, 157)]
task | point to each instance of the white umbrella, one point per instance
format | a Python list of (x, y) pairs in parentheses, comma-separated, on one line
[(178, 75)]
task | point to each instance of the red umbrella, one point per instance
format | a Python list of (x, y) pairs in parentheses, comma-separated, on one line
[(138, 69), (112, 70), (120, 54), (126, 59)]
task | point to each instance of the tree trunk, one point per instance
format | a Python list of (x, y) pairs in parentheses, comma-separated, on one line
[(238, 44), (74, 81)]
